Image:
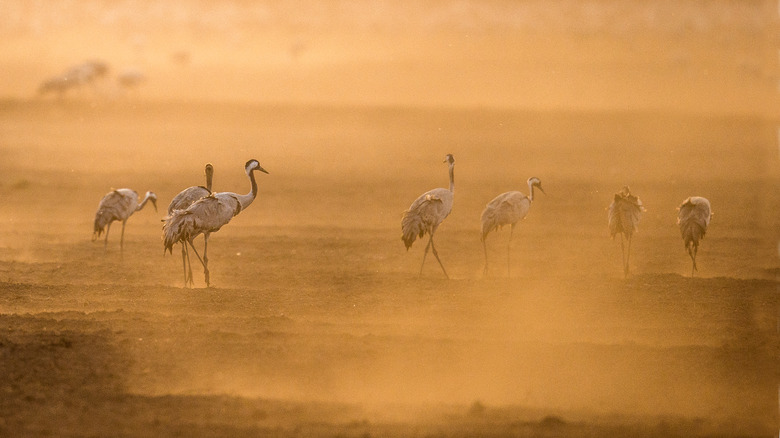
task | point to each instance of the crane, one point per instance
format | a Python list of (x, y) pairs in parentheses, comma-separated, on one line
[(624, 214), (119, 205), (184, 199), (693, 217), (426, 214), (207, 215), (507, 208)]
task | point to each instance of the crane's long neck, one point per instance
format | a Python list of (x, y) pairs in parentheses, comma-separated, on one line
[(143, 203), (531, 192), (209, 177), (452, 178), (247, 199)]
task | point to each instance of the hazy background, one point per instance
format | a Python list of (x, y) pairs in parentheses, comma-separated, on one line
[(351, 107), (713, 56)]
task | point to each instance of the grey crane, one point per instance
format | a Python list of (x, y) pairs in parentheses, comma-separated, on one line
[(184, 199), (426, 214), (625, 211), (118, 205), (693, 217), (207, 215), (507, 208)]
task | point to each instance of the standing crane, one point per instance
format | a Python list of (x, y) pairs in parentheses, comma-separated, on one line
[(693, 217), (207, 215), (507, 209), (624, 214), (184, 199), (426, 214), (118, 205)]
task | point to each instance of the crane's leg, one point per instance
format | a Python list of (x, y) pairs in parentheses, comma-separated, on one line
[(484, 246), (427, 247), (184, 261), (189, 267), (436, 254), (122, 239), (206, 256), (692, 250), (509, 251), (628, 256), (105, 243), (205, 269), (623, 254)]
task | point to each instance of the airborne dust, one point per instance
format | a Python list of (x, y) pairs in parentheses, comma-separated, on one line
[(317, 321)]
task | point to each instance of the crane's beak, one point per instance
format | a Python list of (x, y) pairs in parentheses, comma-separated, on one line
[(154, 203), (540, 188), (260, 168)]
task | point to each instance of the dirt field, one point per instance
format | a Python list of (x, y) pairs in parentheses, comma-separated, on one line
[(317, 323)]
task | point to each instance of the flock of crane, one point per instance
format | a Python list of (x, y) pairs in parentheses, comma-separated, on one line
[(87, 75), (197, 210)]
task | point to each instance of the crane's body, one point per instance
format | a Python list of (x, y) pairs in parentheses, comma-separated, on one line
[(118, 205), (693, 218), (181, 201), (207, 215), (625, 211), (508, 208), (426, 214)]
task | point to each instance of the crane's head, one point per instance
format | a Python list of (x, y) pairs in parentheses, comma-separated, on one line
[(535, 182), (253, 165), (209, 169), (449, 159), (152, 197)]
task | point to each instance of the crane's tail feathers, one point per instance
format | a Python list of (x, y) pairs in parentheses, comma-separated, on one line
[(177, 227), (490, 222), (412, 227)]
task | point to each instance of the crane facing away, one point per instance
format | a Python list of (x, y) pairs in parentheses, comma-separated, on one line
[(507, 209), (184, 199), (207, 215), (426, 214), (624, 214), (118, 205), (693, 217)]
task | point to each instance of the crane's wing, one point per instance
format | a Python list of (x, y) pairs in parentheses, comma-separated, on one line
[(425, 213), (206, 215), (115, 205), (506, 208), (693, 218), (624, 214), (186, 197)]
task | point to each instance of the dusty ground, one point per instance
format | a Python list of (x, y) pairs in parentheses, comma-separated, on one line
[(317, 323)]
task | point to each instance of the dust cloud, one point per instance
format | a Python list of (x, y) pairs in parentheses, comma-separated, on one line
[(318, 323)]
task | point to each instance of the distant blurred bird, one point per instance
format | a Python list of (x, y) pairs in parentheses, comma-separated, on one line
[(118, 205), (184, 199), (130, 78), (58, 85), (89, 71), (86, 73), (426, 214), (507, 209), (625, 211), (693, 217), (207, 215)]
